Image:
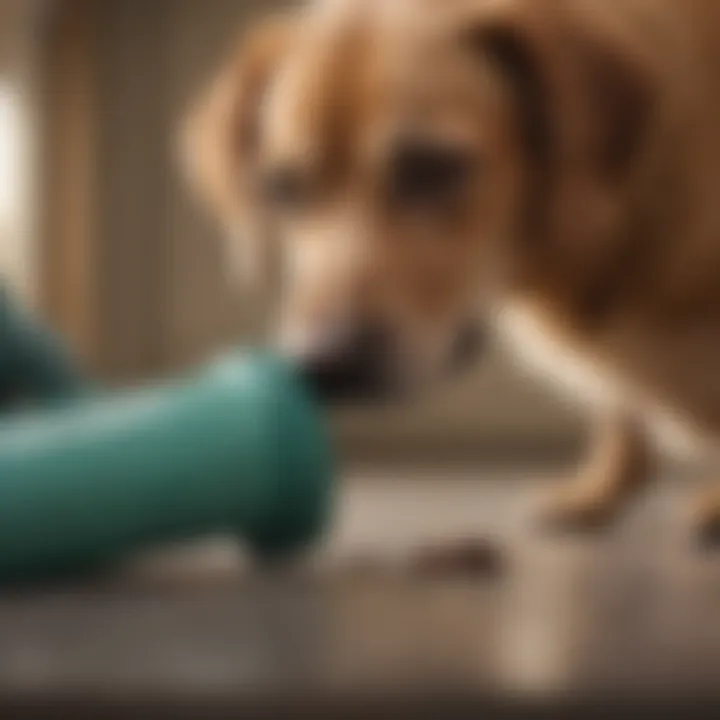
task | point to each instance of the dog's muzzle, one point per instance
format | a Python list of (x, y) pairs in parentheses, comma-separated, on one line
[(357, 366), (361, 366)]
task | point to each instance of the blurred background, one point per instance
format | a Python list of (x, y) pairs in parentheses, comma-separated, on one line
[(99, 231)]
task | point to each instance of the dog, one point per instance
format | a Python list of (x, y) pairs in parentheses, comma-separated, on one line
[(426, 171)]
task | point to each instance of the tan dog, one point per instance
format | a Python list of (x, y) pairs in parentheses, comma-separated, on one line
[(553, 165)]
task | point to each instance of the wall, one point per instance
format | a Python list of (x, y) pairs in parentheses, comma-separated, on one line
[(18, 179)]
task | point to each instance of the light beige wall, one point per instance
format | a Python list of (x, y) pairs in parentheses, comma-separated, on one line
[(166, 304), (17, 74)]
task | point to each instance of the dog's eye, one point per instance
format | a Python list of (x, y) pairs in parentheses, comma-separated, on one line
[(285, 188), (423, 174)]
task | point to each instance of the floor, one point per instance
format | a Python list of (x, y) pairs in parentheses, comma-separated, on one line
[(635, 610)]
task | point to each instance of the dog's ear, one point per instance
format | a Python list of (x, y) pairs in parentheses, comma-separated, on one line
[(584, 96), (583, 89), (219, 141)]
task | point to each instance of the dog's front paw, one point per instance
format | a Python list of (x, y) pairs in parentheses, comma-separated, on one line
[(576, 506)]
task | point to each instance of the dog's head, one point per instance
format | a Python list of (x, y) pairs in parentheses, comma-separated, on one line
[(407, 164)]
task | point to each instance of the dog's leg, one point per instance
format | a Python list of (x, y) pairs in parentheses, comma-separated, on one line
[(617, 465)]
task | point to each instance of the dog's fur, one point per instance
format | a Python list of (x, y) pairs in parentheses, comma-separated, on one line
[(589, 227)]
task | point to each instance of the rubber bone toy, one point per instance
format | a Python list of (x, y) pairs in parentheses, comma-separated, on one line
[(238, 446)]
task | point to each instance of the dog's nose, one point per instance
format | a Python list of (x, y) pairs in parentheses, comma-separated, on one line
[(355, 367)]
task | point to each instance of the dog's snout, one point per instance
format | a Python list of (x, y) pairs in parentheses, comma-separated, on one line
[(354, 366)]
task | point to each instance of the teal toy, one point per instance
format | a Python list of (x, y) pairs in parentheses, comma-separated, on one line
[(35, 366), (239, 447)]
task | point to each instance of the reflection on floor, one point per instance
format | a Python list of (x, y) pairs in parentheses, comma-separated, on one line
[(637, 608)]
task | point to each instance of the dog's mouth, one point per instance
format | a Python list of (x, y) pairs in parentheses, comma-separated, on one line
[(368, 370), (350, 383), (358, 366)]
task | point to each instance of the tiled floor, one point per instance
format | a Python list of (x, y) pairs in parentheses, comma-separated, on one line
[(638, 608)]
